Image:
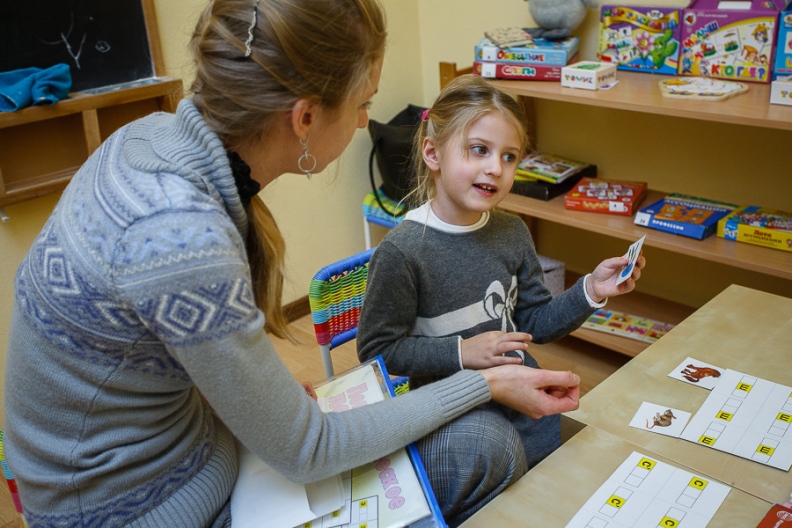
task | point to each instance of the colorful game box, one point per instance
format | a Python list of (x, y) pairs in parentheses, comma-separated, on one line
[(781, 91), (684, 215), (514, 70), (606, 196), (541, 51), (758, 225), (783, 57), (644, 39), (734, 43), (589, 75), (548, 167)]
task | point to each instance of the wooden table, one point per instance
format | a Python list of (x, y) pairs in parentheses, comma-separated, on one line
[(740, 329), (551, 493)]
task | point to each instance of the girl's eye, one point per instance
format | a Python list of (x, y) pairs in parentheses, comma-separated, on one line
[(367, 105), (509, 158), (479, 149)]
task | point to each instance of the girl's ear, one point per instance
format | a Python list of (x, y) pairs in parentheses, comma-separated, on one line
[(430, 155)]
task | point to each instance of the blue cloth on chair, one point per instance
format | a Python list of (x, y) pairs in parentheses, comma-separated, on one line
[(34, 86)]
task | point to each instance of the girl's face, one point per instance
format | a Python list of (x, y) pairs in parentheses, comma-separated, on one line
[(474, 174)]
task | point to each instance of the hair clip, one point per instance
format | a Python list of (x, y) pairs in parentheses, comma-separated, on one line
[(249, 41), (425, 115)]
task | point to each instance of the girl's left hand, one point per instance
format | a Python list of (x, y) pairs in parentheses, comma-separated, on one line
[(601, 284)]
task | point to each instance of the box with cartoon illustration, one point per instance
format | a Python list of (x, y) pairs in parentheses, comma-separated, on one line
[(783, 57), (644, 39), (729, 39)]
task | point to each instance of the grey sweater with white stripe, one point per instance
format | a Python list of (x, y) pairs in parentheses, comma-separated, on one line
[(431, 284), (136, 346)]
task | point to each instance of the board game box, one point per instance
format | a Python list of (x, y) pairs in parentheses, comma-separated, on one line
[(627, 325), (644, 39), (543, 190), (517, 70), (540, 51), (684, 215), (758, 225), (735, 42), (548, 167), (605, 196)]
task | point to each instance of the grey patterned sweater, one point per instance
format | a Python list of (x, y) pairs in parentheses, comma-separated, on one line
[(432, 284), (136, 349)]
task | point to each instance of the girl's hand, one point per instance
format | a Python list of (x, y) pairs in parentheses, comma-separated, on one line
[(534, 392), (601, 284), (487, 349)]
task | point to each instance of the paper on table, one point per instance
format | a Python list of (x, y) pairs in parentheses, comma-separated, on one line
[(263, 497)]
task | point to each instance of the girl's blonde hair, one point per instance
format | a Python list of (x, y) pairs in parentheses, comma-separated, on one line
[(321, 50), (461, 103)]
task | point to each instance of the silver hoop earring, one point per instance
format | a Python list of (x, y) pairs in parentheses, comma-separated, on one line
[(307, 158)]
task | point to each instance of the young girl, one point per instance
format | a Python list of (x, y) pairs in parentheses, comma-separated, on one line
[(458, 285)]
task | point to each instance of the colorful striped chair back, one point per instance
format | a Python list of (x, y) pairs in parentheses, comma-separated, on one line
[(9, 478), (336, 296)]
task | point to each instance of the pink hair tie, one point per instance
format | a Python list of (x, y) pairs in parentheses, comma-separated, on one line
[(425, 115)]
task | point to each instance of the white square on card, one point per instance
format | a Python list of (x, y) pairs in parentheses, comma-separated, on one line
[(695, 372), (660, 419)]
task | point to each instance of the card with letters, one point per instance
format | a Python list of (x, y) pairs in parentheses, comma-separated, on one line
[(646, 492), (697, 373), (746, 416), (632, 254)]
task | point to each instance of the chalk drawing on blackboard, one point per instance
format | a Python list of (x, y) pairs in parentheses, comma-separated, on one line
[(103, 42)]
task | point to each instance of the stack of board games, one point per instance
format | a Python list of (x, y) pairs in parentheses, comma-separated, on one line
[(758, 225), (684, 215), (545, 176), (605, 196), (537, 60)]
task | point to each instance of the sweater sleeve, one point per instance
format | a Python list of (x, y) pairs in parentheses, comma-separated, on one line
[(388, 316), (186, 277), (545, 317)]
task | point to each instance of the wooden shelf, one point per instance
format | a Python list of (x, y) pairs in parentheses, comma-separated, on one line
[(43, 146), (638, 92), (635, 303), (746, 256)]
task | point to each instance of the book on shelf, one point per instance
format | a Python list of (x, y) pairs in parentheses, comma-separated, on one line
[(390, 492), (757, 225), (548, 167), (509, 36), (521, 71), (605, 196), (685, 215), (627, 325), (539, 51)]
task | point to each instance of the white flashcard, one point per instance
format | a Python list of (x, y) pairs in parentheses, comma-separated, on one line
[(660, 419), (646, 492), (632, 254), (697, 373)]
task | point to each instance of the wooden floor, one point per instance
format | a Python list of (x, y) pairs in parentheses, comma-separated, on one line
[(592, 363)]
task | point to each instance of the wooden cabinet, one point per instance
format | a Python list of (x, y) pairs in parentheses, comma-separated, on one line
[(42, 147), (638, 92)]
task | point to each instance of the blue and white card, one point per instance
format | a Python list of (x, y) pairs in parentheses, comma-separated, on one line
[(632, 254)]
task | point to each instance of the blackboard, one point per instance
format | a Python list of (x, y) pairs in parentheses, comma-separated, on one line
[(104, 42)]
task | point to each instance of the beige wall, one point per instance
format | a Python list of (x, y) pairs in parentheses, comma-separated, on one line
[(321, 219)]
